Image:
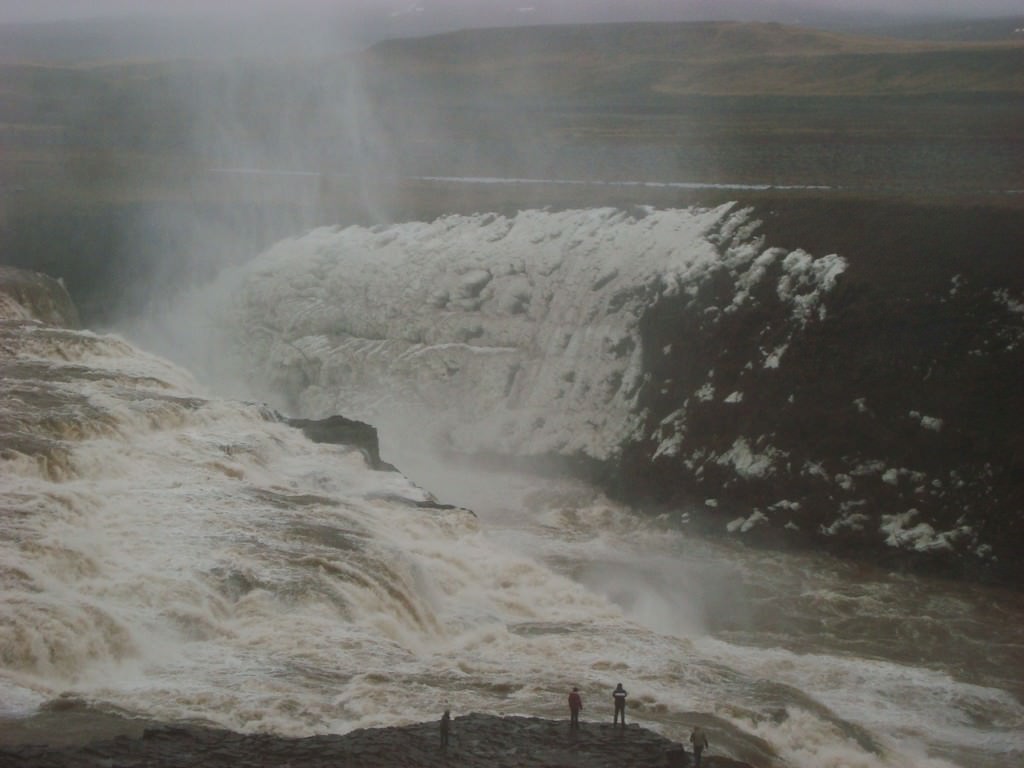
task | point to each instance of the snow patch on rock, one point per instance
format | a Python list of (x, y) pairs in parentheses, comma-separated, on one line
[(744, 524), (706, 393), (774, 358), (932, 423), (747, 462), (806, 280), (920, 537)]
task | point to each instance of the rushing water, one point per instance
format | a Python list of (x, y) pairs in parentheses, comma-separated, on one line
[(823, 659), (171, 554)]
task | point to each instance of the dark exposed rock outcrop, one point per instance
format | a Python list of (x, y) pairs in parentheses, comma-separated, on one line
[(883, 426), (476, 741), (339, 430)]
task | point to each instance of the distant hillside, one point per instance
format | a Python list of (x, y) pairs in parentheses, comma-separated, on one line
[(705, 103), (1004, 29), (713, 58), (304, 31)]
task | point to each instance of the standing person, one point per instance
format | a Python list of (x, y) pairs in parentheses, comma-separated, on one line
[(575, 705), (619, 697), (699, 739), (446, 721)]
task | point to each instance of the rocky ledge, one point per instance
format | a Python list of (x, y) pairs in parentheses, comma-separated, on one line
[(25, 294), (340, 430), (476, 741)]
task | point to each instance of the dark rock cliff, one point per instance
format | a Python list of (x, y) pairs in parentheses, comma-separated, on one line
[(883, 424)]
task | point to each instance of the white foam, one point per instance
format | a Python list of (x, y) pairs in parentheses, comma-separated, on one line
[(195, 559), (520, 334), (894, 702)]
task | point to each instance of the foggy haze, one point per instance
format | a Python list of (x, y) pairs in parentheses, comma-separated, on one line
[(447, 13)]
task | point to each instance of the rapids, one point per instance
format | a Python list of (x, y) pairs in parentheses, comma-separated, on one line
[(171, 550)]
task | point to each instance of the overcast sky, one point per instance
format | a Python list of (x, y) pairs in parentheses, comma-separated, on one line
[(586, 10)]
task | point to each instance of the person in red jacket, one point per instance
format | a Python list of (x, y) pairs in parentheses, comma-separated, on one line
[(575, 705)]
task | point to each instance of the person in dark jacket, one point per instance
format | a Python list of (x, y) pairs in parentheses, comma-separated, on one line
[(699, 739), (446, 722), (575, 705), (619, 697)]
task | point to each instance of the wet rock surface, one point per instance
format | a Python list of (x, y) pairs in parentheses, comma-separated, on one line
[(339, 430), (33, 294), (476, 741)]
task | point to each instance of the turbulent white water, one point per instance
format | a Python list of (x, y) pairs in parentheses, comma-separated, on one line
[(173, 554), (518, 335)]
